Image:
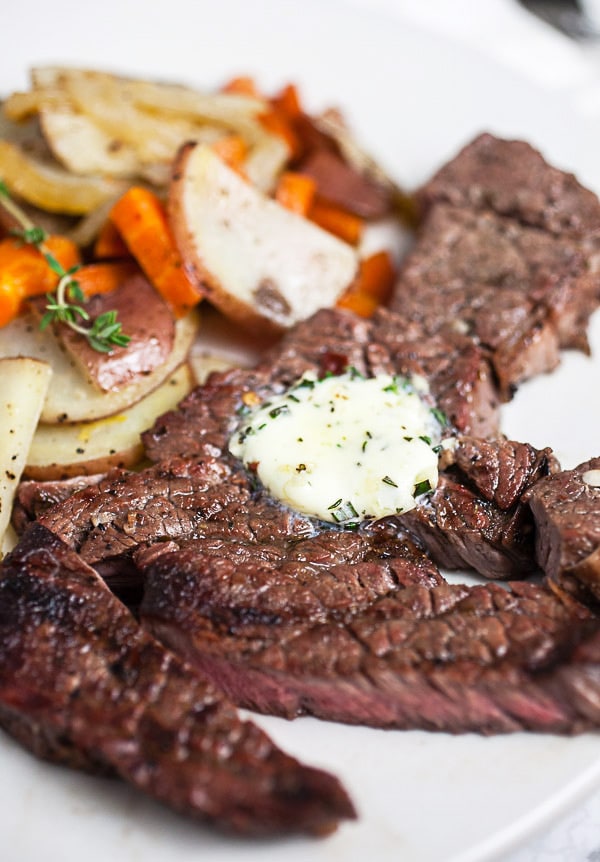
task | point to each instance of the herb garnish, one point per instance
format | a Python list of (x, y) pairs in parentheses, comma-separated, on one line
[(341, 512), (388, 481), (277, 411), (440, 416), (104, 332), (422, 487)]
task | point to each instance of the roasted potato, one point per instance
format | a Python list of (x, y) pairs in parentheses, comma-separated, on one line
[(22, 393), (85, 448), (263, 266)]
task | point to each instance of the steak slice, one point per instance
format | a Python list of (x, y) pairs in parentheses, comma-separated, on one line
[(329, 575), (331, 341), (82, 683), (34, 497), (520, 292), (174, 500), (509, 253), (452, 658), (566, 509), (512, 178), (475, 518)]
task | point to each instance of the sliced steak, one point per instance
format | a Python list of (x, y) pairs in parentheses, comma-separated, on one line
[(509, 253), (33, 498), (106, 523), (329, 575), (331, 341), (450, 658), (475, 519), (520, 292), (512, 178), (82, 683), (566, 509)]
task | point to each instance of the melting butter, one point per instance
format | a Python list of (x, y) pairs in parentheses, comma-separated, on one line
[(346, 448)]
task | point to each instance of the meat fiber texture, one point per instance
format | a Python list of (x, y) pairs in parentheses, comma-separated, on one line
[(207, 493), (566, 509), (509, 254), (452, 658), (82, 683), (476, 517)]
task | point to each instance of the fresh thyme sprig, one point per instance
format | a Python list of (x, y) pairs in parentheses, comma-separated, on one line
[(104, 332)]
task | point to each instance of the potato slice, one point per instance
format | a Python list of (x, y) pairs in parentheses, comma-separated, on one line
[(82, 147), (52, 188), (71, 398), (24, 386), (225, 109), (264, 266), (63, 451)]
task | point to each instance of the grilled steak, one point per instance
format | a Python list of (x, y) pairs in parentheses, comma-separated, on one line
[(82, 683), (475, 518), (512, 178), (331, 341), (33, 498), (566, 508), (450, 658), (509, 253), (107, 522)]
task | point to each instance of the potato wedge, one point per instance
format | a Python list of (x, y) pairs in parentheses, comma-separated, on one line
[(86, 448), (71, 398), (83, 148), (51, 187), (263, 265), (8, 541), (23, 388)]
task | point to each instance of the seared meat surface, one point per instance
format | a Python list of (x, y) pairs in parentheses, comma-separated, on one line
[(82, 683), (331, 341), (566, 509), (513, 179), (450, 658), (508, 253), (475, 519)]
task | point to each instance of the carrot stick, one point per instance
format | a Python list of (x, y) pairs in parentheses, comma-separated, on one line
[(25, 272), (358, 302), (109, 243), (278, 123), (296, 192), (104, 277), (242, 85), (377, 276), (141, 220), (336, 220), (288, 101), (371, 287)]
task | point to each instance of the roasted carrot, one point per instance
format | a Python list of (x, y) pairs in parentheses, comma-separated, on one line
[(109, 243), (25, 272), (232, 149), (276, 122), (377, 275), (336, 220), (288, 101), (371, 287), (242, 85), (296, 192), (104, 277), (142, 222), (360, 303)]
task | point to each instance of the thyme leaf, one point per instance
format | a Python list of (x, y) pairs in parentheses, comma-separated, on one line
[(104, 332)]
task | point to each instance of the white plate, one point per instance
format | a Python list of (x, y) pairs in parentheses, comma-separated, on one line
[(414, 99)]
